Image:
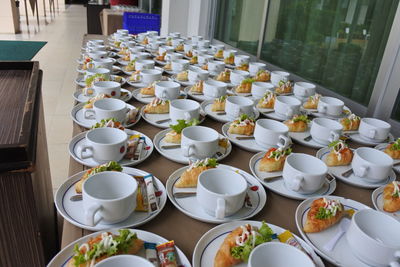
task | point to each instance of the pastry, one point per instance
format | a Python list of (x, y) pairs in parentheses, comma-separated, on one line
[(193, 60), (274, 159), (219, 104), (262, 76), (393, 149), (267, 101), (312, 102), (189, 53), (127, 57), (131, 66), (103, 246), (219, 54), (204, 67), (91, 101), (161, 57), (168, 66), (284, 87), (182, 76), (112, 123), (351, 122), (323, 214), (117, 44), (174, 136), (340, 154), (197, 87), (149, 90), (245, 86), (230, 60), (179, 48), (123, 51), (135, 77), (244, 67), (299, 123), (98, 77), (244, 125), (224, 76), (391, 197), (190, 176), (157, 106), (145, 41)]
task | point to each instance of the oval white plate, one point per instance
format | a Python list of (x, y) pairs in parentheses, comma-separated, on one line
[(159, 62), (123, 69), (315, 113), (191, 208), (183, 83), (369, 142), (176, 153), (377, 200), (122, 62), (81, 82), (341, 255), (206, 106), (209, 244), (80, 139), (78, 96), (115, 70), (62, 258), (382, 147), (299, 138), (73, 211)]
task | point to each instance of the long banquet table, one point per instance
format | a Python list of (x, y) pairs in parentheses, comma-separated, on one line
[(173, 224)]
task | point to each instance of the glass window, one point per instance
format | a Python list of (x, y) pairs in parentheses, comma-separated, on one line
[(238, 23), (336, 44)]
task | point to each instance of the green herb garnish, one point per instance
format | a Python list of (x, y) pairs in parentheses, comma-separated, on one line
[(248, 80), (323, 214), (281, 82), (396, 145), (182, 124), (244, 116), (278, 153), (92, 78), (301, 118), (103, 122)]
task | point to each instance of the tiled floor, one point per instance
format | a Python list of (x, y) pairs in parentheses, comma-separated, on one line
[(58, 61)]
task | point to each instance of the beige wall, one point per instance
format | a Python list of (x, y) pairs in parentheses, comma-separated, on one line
[(250, 20), (9, 22)]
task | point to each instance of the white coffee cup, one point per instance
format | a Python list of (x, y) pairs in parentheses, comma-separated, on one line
[(196, 74), (204, 58), (374, 129), (325, 131), (141, 36), (187, 47), (330, 106), (171, 56), (258, 89), (278, 254), (183, 109), (371, 164), (175, 34), (287, 106), (137, 49), (90, 72), (216, 47), (176, 42), (155, 45), (124, 261), (139, 55), (237, 76), (123, 31), (107, 108), (130, 45), (221, 192), (374, 238), (96, 42), (152, 33), (150, 75), (237, 105), (241, 60), (227, 53), (165, 49), (199, 142), (303, 173), (277, 76), (215, 67), (196, 39), (203, 43), (255, 67), (214, 89), (179, 65), (110, 88), (109, 195), (167, 90), (303, 89), (144, 64), (104, 145), (270, 133), (106, 63), (95, 48), (98, 54)]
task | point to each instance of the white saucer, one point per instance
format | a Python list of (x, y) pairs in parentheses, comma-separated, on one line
[(278, 186), (206, 106), (78, 117), (183, 83), (230, 66), (176, 153), (146, 100), (81, 82), (208, 245), (337, 171), (272, 115), (73, 211), (240, 94), (299, 138), (159, 62), (197, 97), (78, 96), (341, 254), (171, 72), (130, 72), (377, 200), (191, 208), (76, 143), (315, 113), (228, 84), (369, 142), (115, 70), (382, 147), (264, 111), (140, 84), (62, 258), (152, 118), (123, 62)]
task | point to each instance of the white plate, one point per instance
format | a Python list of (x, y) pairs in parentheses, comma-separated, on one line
[(81, 82), (171, 72), (183, 83), (123, 62), (299, 138), (208, 245), (176, 153), (337, 171), (146, 100), (369, 142), (240, 94), (230, 66), (263, 111), (341, 254), (140, 84), (197, 97), (382, 147), (206, 106), (272, 115), (377, 200), (278, 185), (159, 62), (78, 117), (130, 72), (191, 208), (152, 118), (228, 84), (73, 211), (115, 70), (76, 143), (78, 96), (315, 113)]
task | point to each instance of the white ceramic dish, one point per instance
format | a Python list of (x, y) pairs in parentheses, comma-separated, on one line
[(368, 142), (78, 96), (130, 72), (114, 71), (153, 118), (299, 138), (122, 62), (142, 84), (189, 206), (81, 82), (271, 114), (377, 200), (382, 147), (208, 245), (183, 83), (206, 106), (146, 100), (159, 62), (315, 113)]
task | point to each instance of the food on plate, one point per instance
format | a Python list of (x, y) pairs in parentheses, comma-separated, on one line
[(183, 76), (103, 246), (262, 76), (224, 76), (124, 51), (151, 252), (167, 254), (299, 123), (223, 142), (190, 176), (323, 214), (161, 57), (189, 53), (245, 86), (149, 90), (351, 122), (117, 44), (127, 57), (197, 87), (116, 78), (391, 197), (168, 66), (267, 101), (244, 125), (109, 166), (239, 243), (230, 60), (312, 102), (393, 149), (157, 106), (194, 60), (87, 91), (219, 104), (219, 54), (204, 67), (91, 101), (86, 62), (145, 41), (274, 159), (284, 87), (98, 77), (135, 77), (340, 154), (169, 41), (111, 123), (131, 115), (174, 136), (131, 66), (244, 66), (179, 48), (135, 143)]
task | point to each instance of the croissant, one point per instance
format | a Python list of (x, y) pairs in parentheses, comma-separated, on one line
[(247, 129), (394, 153), (391, 202), (190, 177), (271, 164), (223, 258), (316, 224), (298, 126), (173, 137), (341, 158)]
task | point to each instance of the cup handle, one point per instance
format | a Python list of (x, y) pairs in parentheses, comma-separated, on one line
[(372, 133), (289, 113), (334, 137), (89, 116), (220, 210), (395, 263), (188, 151), (236, 112), (284, 141), (88, 155), (187, 116), (321, 108), (295, 185), (361, 171), (163, 95), (90, 213)]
